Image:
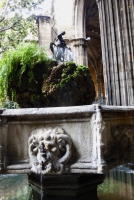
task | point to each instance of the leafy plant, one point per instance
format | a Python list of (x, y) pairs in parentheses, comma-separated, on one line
[(15, 63)]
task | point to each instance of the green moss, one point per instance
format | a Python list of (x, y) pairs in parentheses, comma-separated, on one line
[(69, 85), (71, 72)]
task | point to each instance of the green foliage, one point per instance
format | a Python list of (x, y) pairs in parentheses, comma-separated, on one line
[(16, 62), (9, 39), (16, 21)]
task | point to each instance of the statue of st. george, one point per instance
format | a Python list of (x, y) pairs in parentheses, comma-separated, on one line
[(60, 51)]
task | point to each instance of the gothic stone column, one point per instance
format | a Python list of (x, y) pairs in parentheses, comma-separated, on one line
[(79, 42), (117, 38), (80, 51)]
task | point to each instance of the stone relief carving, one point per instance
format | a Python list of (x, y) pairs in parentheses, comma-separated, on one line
[(50, 150), (121, 143)]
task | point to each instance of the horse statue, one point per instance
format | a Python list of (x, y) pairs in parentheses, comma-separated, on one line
[(60, 51)]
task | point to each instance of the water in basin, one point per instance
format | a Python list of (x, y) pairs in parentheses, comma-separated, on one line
[(118, 185)]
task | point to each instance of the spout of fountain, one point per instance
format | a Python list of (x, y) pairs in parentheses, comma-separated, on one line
[(41, 165)]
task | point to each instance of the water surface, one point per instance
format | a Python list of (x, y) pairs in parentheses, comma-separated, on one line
[(14, 187), (118, 185)]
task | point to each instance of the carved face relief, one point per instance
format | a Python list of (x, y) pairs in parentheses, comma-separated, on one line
[(49, 150)]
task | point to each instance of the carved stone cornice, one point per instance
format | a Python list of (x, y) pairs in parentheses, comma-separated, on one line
[(43, 19), (79, 42)]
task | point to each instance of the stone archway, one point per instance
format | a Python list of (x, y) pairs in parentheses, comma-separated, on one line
[(94, 50)]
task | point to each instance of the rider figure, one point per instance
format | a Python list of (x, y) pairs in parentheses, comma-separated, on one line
[(60, 51), (60, 41)]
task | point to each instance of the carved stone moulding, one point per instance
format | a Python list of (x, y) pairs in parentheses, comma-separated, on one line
[(50, 150)]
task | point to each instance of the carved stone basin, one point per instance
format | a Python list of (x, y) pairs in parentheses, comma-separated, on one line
[(67, 141)]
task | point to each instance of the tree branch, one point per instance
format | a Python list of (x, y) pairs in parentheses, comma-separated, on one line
[(3, 17), (8, 27)]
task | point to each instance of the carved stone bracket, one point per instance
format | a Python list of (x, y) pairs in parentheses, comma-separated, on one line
[(50, 150), (43, 19)]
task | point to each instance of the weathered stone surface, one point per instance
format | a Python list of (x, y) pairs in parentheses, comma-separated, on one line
[(95, 132), (50, 150)]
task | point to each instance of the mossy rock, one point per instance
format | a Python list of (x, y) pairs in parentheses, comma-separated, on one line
[(54, 85), (28, 93), (69, 85)]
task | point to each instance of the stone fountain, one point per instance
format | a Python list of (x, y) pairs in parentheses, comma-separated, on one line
[(67, 150), (71, 148)]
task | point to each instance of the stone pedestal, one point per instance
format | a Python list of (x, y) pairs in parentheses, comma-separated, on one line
[(75, 186)]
